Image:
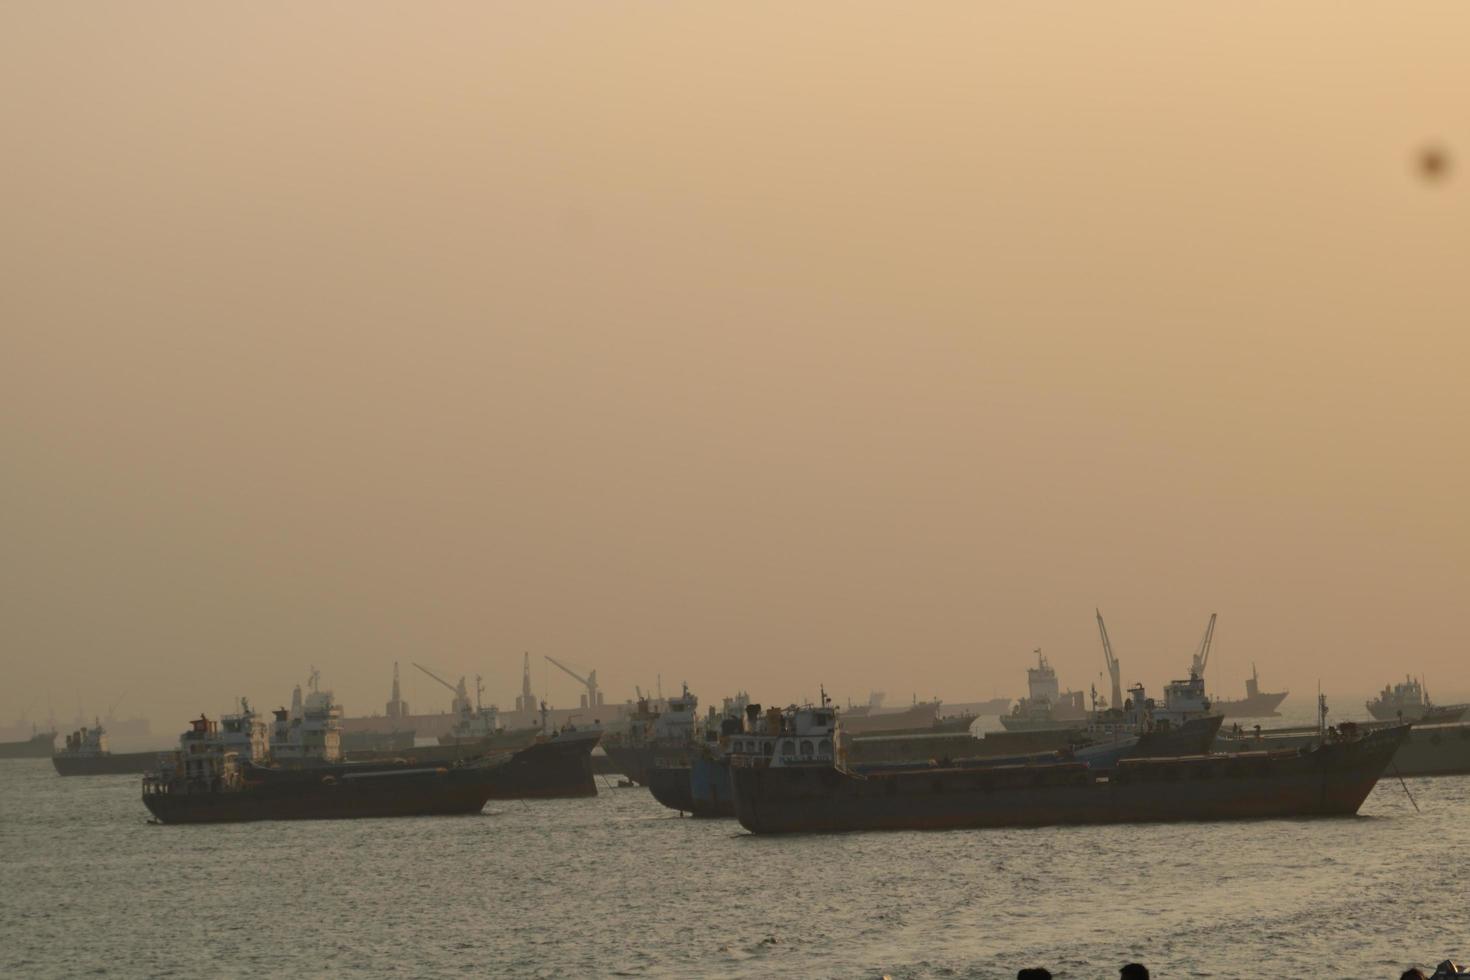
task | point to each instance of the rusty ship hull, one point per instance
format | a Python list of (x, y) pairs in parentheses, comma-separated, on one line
[(1331, 780)]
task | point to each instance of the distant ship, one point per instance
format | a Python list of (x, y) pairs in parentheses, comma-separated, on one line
[(39, 746), (1255, 704), (992, 707), (87, 753), (481, 727), (921, 716), (1045, 706), (1409, 701)]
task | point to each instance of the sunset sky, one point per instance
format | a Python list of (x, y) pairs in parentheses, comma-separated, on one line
[(758, 345)]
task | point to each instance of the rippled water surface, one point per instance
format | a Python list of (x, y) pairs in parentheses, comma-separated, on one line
[(618, 886)]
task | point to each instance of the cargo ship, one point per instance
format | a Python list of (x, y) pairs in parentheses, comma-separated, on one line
[(630, 751), (206, 781), (1255, 704), (701, 785), (821, 795), (1436, 749), (759, 738), (921, 716), (992, 707), (1180, 726), (39, 746), (1045, 706), (674, 741), (87, 753), (1409, 701)]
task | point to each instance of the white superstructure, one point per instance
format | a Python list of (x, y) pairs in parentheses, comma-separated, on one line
[(312, 730)]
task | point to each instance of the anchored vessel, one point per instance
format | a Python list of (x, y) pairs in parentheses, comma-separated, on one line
[(38, 746), (1045, 706), (240, 769), (212, 779), (1436, 749), (206, 782), (673, 746), (1255, 704), (1331, 779), (630, 751), (921, 716), (87, 754), (1409, 701)]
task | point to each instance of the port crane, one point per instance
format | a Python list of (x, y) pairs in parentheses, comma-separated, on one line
[(1115, 670), (1202, 655), (461, 703), (593, 697)]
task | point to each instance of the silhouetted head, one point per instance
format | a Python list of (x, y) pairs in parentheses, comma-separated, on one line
[(1034, 973), (1412, 973), (1133, 971)]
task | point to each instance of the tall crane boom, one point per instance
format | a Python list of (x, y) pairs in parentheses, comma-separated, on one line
[(593, 697), (1115, 671), (1202, 655), (437, 678), (461, 702)]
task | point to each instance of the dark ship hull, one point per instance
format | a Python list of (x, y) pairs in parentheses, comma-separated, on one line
[(558, 768), (36, 747), (510, 740), (380, 792), (1434, 750), (111, 764), (670, 785), (633, 761), (1194, 737), (440, 754), (1332, 780), (1429, 750), (710, 791)]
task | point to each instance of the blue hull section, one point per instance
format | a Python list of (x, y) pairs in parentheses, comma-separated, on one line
[(709, 783)]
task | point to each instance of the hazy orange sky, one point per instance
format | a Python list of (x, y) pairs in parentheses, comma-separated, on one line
[(759, 345)]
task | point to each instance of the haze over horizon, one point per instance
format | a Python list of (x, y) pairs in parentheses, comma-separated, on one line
[(875, 353)]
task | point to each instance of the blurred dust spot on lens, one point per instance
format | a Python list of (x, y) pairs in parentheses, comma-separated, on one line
[(1433, 163)]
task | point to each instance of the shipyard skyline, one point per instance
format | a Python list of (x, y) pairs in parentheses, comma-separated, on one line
[(887, 362), (368, 695)]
